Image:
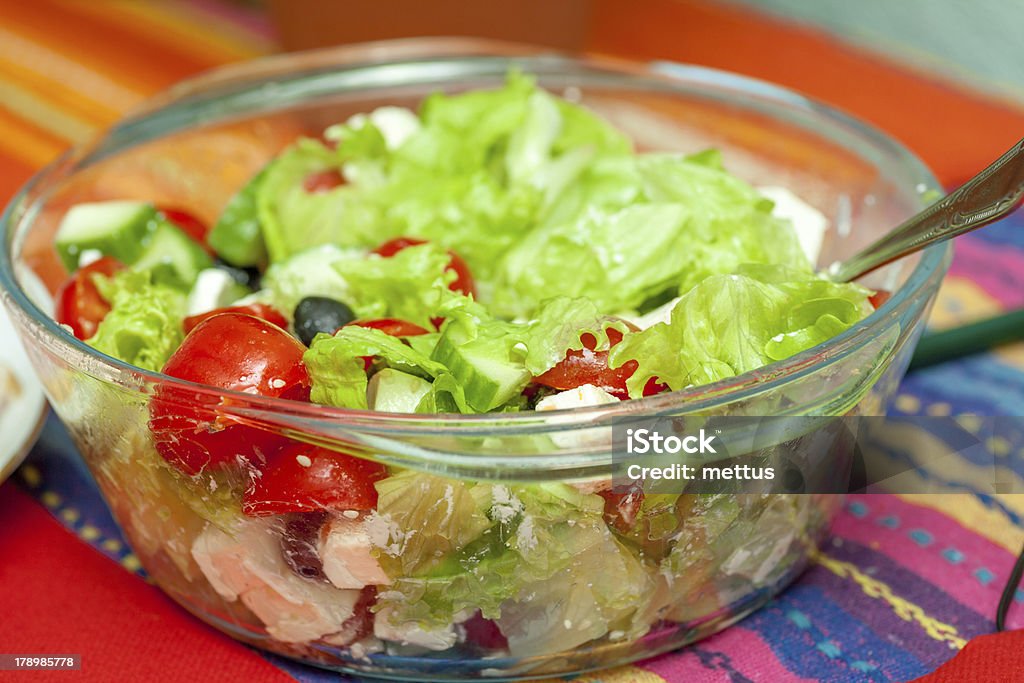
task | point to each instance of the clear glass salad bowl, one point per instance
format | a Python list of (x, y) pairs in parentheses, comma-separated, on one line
[(599, 595)]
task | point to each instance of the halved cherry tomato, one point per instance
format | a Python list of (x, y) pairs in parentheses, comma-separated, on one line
[(586, 366), (323, 181), (391, 326), (80, 305), (879, 298), (622, 507), (189, 224), (268, 313), (463, 281), (230, 351), (305, 478)]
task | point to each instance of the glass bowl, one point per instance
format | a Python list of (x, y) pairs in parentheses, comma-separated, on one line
[(513, 587)]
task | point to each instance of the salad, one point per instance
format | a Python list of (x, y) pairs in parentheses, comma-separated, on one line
[(497, 251)]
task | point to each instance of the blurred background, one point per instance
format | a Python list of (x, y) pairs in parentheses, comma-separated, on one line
[(977, 40)]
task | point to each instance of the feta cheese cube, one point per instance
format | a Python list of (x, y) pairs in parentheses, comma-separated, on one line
[(213, 289), (345, 553), (809, 223)]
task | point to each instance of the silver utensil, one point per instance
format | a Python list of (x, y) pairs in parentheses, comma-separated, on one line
[(987, 197)]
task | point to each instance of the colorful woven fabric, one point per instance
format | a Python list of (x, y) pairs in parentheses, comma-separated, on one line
[(903, 585)]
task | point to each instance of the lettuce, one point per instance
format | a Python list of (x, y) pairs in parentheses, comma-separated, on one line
[(411, 285), (144, 325), (559, 327), (313, 272), (617, 259), (784, 311), (533, 558), (292, 219), (336, 368)]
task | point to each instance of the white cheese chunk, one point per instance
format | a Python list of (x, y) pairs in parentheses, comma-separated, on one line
[(396, 124), (346, 554), (580, 397), (89, 256), (411, 633), (809, 223), (213, 289)]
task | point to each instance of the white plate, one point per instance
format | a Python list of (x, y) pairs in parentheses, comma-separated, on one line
[(21, 415)]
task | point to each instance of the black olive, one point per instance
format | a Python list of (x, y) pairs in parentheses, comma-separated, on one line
[(316, 314), (250, 277), (299, 544)]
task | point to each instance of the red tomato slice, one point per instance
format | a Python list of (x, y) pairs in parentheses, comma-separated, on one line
[(879, 298), (190, 225), (586, 366), (268, 313), (231, 351), (80, 305), (304, 478), (323, 181), (463, 281), (391, 326)]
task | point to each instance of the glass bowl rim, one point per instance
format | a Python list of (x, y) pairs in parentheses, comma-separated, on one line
[(929, 269)]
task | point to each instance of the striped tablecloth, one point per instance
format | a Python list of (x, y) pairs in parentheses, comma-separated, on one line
[(906, 581)]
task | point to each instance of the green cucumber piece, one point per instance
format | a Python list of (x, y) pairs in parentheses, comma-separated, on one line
[(237, 237), (120, 229), (483, 367), (394, 391), (174, 258)]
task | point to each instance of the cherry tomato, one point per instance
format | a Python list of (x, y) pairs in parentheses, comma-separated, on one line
[(230, 351), (586, 366), (323, 181), (268, 313), (304, 478), (391, 326), (79, 303), (190, 225), (463, 281), (622, 507), (879, 298)]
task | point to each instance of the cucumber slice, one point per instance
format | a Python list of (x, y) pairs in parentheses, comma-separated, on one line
[(393, 391), (174, 258), (237, 237), (117, 228), (483, 367)]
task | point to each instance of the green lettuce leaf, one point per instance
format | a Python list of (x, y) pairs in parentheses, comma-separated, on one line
[(559, 327), (784, 311), (144, 325), (500, 553), (411, 285), (336, 368), (617, 259), (293, 219), (313, 272)]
